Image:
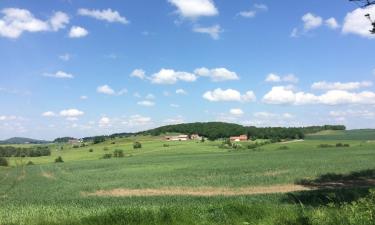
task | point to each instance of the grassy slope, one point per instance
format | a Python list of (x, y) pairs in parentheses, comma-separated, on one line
[(365, 134), (188, 164)]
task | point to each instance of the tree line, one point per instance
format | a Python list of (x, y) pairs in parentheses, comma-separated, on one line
[(217, 130), (10, 151)]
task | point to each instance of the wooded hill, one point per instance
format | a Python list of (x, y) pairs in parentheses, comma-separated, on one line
[(216, 130)]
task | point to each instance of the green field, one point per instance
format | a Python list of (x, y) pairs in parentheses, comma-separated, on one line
[(67, 193)]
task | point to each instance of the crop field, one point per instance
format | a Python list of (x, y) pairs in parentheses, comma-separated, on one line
[(298, 182)]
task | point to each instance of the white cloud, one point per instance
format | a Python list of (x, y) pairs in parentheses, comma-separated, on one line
[(71, 118), (174, 105), (8, 118), (77, 32), (49, 114), (311, 21), (283, 95), (105, 89), (218, 95), (290, 78), (16, 21), (353, 113), (169, 76), (294, 33), (71, 113), (217, 74), (273, 78), (195, 8), (65, 57), (108, 15), (139, 73), (146, 103), (356, 23), (253, 13), (332, 23), (83, 97), (104, 122), (181, 92), (138, 120), (122, 91), (236, 112), (261, 7), (150, 96), (248, 14), (59, 21), (60, 74), (323, 85), (214, 31)]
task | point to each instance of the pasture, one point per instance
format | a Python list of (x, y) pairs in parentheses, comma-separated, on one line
[(189, 183)]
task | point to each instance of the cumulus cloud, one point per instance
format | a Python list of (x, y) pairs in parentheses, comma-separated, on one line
[(227, 95), (252, 13), (332, 23), (181, 92), (323, 85), (138, 120), (174, 105), (176, 120), (169, 76), (71, 113), (284, 95), (49, 114), (138, 73), (290, 78), (356, 23), (104, 122), (217, 74), (236, 112), (65, 57), (83, 97), (214, 31), (146, 103), (105, 89), (108, 15), (367, 114), (311, 21), (193, 9), (60, 75), (59, 21), (77, 32), (16, 21)]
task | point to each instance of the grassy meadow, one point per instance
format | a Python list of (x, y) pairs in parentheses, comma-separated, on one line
[(87, 189)]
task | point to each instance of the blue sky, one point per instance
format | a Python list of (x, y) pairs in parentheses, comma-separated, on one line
[(80, 67)]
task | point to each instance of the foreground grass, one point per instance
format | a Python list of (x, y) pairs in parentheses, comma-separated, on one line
[(49, 193)]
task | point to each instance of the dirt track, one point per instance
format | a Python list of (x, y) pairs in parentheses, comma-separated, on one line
[(202, 191)]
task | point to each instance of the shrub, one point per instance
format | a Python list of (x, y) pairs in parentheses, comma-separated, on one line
[(118, 153), (105, 149), (325, 146), (75, 146), (3, 161), (137, 145), (107, 156), (283, 147), (340, 145), (166, 145), (112, 143), (29, 163), (91, 150), (59, 160)]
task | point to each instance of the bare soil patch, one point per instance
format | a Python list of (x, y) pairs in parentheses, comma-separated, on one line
[(48, 175), (199, 191)]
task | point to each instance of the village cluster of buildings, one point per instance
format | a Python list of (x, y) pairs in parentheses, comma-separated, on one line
[(184, 137)]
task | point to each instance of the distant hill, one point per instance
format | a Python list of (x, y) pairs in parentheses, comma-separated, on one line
[(361, 134), (22, 140)]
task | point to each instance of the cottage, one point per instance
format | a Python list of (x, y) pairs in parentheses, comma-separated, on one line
[(195, 137), (239, 138)]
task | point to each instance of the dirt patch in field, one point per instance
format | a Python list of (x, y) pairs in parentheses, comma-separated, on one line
[(48, 175), (275, 173), (293, 141), (201, 191)]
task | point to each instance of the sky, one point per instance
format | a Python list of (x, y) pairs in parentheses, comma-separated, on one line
[(80, 68)]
